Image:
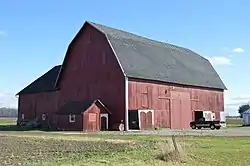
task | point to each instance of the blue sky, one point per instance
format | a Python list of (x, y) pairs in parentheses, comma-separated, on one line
[(34, 36)]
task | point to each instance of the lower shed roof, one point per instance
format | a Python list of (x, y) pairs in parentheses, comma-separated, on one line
[(79, 107)]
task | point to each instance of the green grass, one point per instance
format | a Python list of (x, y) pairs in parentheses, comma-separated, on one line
[(52, 149), (7, 121), (234, 122), (103, 149)]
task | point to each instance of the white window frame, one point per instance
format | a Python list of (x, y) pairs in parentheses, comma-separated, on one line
[(72, 116), (107, 120), (22, 116), (43, 116)]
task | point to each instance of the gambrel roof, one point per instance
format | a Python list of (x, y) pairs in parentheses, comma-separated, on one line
[(145, 58)]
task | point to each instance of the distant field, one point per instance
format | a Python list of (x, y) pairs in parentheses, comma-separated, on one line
[(7, 121), (234, 122)]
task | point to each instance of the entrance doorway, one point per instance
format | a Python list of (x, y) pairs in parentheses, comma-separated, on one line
[(104, 122), (133, 120), (141, 119)]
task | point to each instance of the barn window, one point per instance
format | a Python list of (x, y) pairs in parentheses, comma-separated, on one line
[(72, 118), (22, 116), (43, 116)]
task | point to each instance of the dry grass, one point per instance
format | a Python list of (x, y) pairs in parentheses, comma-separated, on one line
[(170, 154), (7, 121), (90, 149)]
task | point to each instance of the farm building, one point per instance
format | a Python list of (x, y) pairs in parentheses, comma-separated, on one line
[(246, 118), (126, 77)]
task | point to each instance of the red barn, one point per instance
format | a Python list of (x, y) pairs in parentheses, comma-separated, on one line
[(145, 83), (40, 98)]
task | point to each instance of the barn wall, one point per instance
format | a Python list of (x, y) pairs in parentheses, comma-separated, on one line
[(91, 121), (33, 105), (155, 95), (64, 124), (91, 71)]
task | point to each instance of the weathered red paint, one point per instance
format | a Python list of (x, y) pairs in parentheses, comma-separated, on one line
[(33, 105), (63, 123), (88, 120), (143, 120), (92, 65), (180, 110), (92, 119), (146, 120), (169, 110), (91, 71)]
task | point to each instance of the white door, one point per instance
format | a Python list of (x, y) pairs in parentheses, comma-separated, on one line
[(222, 119)]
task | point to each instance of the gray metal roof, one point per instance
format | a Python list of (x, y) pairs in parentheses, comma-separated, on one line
[(145, 58), (44, 83)]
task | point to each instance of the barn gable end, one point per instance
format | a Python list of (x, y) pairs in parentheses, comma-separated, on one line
[(90, 70)]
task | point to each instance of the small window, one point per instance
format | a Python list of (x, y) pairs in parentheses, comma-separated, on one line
[(43, 116), (72, 118), (22, 116)]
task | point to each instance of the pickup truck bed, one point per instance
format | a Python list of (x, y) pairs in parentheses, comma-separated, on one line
[(205, 124)]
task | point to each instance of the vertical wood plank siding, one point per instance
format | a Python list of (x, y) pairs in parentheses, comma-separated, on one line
[(92, 72), (157, 96), (33, 105)]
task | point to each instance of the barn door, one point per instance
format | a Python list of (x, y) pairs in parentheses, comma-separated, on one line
[(133, 119), (175, 111), (180, 110), (186, 111), (104, 121)]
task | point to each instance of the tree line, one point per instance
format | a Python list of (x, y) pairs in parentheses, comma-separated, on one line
[(243, 108), (8, 112)]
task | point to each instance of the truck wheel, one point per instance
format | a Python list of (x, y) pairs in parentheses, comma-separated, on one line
[(193, 126), (212, 127), (217, 128), (199, 127)]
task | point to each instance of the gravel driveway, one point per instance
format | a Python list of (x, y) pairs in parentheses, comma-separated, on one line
[(203, 132), (230, 132)]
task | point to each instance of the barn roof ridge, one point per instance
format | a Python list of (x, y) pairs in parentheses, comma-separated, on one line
[(145, 58)]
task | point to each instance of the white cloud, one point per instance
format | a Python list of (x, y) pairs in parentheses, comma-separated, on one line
[(219, 60), (232, 102), (8, 100), (238, 50)]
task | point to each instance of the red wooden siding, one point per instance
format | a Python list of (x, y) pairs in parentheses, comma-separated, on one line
[(91, 121), (156, 96), (96, 74), (180, 110), (146, 120), (64, 124), (33, 105)]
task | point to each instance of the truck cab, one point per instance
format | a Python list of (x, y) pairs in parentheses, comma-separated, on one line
[(202, 123), (205, 119)]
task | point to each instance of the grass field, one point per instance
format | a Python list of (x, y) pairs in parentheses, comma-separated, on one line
[(51, 149), (90, 149), (7, 121), (234, 122)]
